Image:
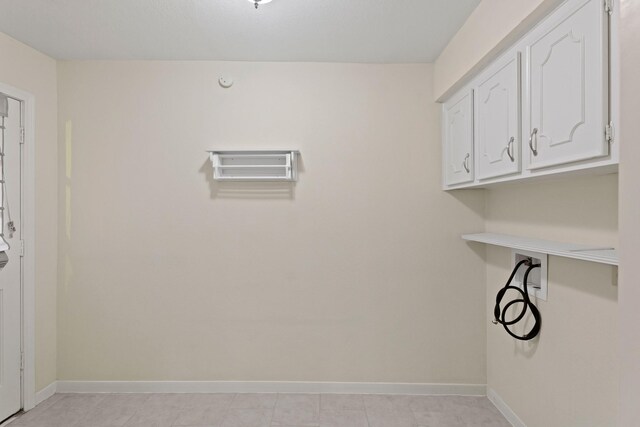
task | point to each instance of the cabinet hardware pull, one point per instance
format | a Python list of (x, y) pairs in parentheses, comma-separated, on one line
[(465, 163), (534, 134), (510, 149)]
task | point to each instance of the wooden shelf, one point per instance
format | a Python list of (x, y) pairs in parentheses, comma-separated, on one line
[(603, 255)]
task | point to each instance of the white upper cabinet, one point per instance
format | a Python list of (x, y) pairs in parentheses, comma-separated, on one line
[(497, 124), (543, 107), (566, 106), (458, 139)]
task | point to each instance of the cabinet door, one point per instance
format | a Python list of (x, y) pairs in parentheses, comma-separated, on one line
[(458, 139), (497, 123), (567, 102)]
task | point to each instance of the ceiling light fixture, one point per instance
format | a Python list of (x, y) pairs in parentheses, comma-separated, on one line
[(257, 3)]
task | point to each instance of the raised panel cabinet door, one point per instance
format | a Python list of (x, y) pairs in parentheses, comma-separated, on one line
[(497, 123), (567, 104), (458, 139)]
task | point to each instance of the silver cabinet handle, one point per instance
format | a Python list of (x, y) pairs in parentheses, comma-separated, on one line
[(465, 163), (510, 148), (534, 134)]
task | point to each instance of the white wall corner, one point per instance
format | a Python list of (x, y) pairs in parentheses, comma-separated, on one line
[(502, 406)]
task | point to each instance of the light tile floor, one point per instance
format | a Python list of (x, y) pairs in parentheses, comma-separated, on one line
[(260, 410)]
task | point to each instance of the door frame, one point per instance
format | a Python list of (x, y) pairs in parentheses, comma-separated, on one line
[(28, 180)]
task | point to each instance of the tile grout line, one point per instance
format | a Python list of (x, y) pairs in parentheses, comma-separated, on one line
[(366, 413), (228, 410), (273, 411)]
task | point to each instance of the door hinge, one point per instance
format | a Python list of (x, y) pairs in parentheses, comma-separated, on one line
[(608, 133), (21, 248), (21, 135), (22, 360), (608, 6)]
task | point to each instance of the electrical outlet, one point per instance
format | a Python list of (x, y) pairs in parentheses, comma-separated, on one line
[(537, 280)]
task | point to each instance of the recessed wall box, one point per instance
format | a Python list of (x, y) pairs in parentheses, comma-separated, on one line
[(537, 281), (271, 165)]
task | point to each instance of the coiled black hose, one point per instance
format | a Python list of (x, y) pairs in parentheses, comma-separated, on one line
[(500, 314)]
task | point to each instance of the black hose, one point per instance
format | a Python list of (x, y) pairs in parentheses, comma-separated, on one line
[(500, 314)]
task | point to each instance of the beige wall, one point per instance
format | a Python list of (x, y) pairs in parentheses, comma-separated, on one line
[(33, 72), (353, 274), (490, 28), (569, 376), (629, 215)]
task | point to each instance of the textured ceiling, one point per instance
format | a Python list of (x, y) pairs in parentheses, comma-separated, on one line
[(284, 30)]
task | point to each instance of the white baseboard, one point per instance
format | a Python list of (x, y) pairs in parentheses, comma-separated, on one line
[(46, 392), (266, 387), (504, 409)]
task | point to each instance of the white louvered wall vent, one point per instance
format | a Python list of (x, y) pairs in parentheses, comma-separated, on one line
[(272, 165)]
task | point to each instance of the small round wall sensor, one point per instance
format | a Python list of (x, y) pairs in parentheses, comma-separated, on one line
[(225, 82)]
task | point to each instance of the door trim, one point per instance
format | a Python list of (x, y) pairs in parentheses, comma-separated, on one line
[(28, 236)]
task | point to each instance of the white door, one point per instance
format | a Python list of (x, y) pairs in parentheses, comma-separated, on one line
[(567, 104), (458, 139), (10, 275), (497, 122)]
